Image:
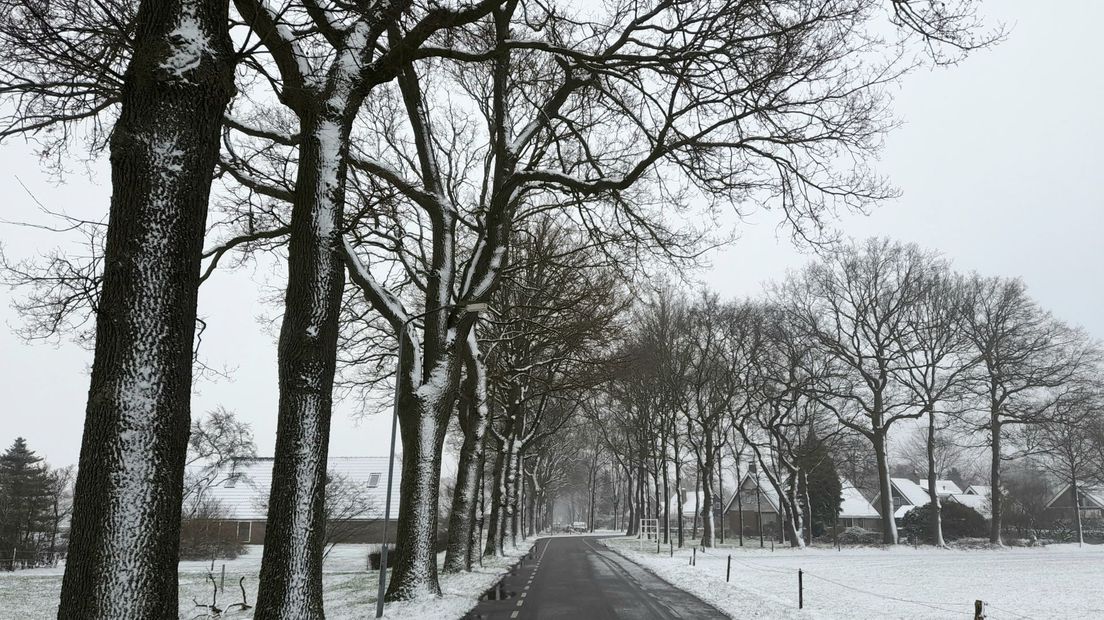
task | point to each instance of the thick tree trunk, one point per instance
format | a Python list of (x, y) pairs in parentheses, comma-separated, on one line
[(997, 497), (423, 414), (708, 529), (126, 517), (933, 493), (291, 567), (497, 492), (885, 499), (458, 555)]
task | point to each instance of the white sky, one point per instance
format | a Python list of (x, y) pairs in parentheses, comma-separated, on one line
[(998, 160)]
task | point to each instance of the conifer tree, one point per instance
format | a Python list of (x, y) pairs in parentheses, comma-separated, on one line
[(820, 483), (25, 500)]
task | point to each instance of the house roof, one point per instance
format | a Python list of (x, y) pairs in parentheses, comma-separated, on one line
[(1093, 494), (688, 507), (244, 497), (980, 503), (912, 492), (979, 489), (766, 494), (854, 505), (943, 488)]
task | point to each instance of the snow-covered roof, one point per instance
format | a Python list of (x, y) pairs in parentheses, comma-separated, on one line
[(244, 497), (979, 489), (767, 496), (980, 503), (912, 492), (1089, 495), (943, 488), (854, 505), (688, 507)]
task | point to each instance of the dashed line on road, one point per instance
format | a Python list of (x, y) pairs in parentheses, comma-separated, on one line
[(514, 615)]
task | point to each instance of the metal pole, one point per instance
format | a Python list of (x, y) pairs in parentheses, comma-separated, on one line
[(390, 475), (800, 589)]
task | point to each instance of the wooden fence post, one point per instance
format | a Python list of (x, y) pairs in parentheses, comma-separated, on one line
[(979, 610), (728, 573), (800, 589)]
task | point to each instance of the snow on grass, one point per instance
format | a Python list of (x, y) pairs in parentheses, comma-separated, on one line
[(349, 590), (1058, 581)]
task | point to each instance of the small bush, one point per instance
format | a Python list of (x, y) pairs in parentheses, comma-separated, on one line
[(204, 539), (958, 522), (374, 557), (859, 536)]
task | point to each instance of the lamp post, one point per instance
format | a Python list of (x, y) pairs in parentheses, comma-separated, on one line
[(469, 307)]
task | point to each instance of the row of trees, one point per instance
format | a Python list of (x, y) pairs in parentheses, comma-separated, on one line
[(408, 145), (864, 342), (35, 503)]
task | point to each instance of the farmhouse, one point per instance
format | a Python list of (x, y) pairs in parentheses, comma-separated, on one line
[(755, 507), (1090, 502), (856, 511), (356, 492)]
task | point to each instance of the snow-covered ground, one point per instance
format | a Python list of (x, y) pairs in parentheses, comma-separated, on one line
[(1058, 581), (350, 590)]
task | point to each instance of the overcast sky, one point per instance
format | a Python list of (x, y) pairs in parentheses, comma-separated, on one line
[(998, 160)]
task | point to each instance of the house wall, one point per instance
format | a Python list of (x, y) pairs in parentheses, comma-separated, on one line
[(1061, 509)]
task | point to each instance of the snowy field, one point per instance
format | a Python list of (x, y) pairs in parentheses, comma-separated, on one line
[(350, 590), (1058, 581)]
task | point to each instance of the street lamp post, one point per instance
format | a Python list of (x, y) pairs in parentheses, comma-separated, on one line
[(470, 307)]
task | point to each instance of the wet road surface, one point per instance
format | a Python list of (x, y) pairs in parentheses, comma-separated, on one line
[(577, 577)]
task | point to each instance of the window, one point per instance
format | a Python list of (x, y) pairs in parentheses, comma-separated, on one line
[(373, 480), (245, 531)]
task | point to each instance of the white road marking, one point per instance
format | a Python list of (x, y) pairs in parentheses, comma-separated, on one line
[(514, 615), (519, 603)]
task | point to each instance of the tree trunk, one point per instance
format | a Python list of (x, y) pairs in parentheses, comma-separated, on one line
[(885, 499), (465, 500), (996, 497), (678, 489), (933, 494), (739, 502), (291, 567), (697, 505), (126, 514), (708, 529), (497, 492), (423, 420), (1077, 512)]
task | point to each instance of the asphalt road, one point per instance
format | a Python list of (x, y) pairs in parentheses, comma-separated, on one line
[(578, 578)]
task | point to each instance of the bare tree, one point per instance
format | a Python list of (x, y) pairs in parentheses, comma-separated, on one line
[(216, 443), (1067, 450), (937, 362), (166, 73), (1025, 356), (854, 308)]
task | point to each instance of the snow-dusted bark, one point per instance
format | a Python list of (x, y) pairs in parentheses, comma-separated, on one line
[(933, 494), (424, 411), (885, 498), (126, 518), (473, 422), (291, 568)]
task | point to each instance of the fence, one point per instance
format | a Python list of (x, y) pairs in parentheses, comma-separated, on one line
[(17, 559)]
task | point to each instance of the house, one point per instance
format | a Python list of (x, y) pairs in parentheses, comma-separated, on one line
[(1090, 502), (906, 496), (756, 507), (855, 510), (978, 489), (980, 503), (943, 488), (356, 492)]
